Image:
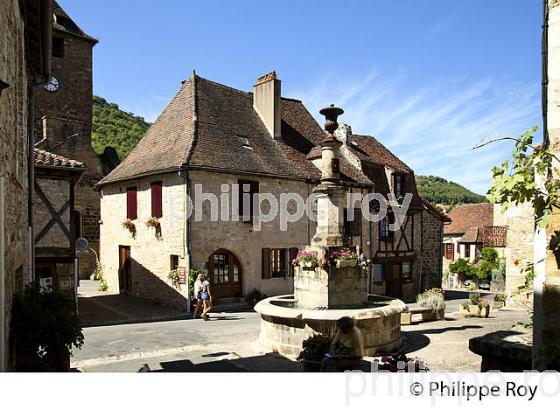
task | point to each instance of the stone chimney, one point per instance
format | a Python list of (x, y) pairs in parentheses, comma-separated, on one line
[(266, 102), (344, 134)]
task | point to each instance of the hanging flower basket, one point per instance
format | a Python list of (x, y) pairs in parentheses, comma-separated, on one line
[(130, 227), (306, 260), (344, 258), (156, 224)]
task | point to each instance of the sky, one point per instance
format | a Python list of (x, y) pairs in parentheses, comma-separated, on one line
[(430, 79)]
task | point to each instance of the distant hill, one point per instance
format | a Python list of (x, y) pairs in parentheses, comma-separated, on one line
[(116, 128), (437, 190)]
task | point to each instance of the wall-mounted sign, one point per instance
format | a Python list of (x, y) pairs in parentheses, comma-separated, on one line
[(182, 274)]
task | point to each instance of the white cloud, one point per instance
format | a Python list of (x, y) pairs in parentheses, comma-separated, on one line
[(432, 127)]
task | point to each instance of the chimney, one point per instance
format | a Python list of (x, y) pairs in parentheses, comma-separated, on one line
[(344, 134), (266, 102)]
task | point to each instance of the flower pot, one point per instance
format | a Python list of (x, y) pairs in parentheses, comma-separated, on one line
[(475, 311), (431, 316), (308, 264), (498, 305), (351, 262), (309, 366)]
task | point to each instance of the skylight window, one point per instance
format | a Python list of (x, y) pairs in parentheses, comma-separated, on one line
[(244, 141)]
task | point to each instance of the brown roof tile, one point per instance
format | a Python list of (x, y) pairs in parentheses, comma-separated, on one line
[(45, 159), (466, 216)]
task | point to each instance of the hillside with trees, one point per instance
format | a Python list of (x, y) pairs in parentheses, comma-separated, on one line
[(116, 128), (437, 190)]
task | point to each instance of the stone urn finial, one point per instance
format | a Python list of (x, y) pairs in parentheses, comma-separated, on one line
[(331, 114)]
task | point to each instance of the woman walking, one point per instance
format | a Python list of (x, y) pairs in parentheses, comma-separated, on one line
[(196, 295), (206, 297)]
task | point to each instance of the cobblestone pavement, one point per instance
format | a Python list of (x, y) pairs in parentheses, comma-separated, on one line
[(228, 342)]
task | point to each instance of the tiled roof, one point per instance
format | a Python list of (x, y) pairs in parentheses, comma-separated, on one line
[(63, 22), (211, 126), (468, 216), (472, 235), (47, 159)]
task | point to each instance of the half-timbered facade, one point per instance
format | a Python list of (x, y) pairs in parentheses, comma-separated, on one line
[(55, 219), (212, 137)]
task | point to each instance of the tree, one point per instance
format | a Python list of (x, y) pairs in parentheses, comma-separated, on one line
[(489, 262), (463, 269)]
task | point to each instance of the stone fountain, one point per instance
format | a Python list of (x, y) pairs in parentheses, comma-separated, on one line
[(326, 292)]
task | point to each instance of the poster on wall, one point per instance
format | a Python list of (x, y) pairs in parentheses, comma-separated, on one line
[(182, 275)]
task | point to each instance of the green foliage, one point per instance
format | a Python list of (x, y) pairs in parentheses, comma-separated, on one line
[(441, 191), (500, 298), (462, 268), (103, 286), (432, 298), (472, 287), (514, 183), (174, 277), (116, 128), (488, 263), (45, 328), (193, 273)]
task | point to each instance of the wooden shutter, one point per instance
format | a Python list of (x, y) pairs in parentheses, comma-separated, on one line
[(357, 223), (266, 263), (131, 203), (157, 205), (292, 254)]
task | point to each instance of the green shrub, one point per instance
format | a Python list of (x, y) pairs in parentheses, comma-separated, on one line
[(462, 268), (432, 298)]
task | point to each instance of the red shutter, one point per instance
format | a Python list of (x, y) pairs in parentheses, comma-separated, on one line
[(157, 207), (266, 263), (452, 251), (131, 203)]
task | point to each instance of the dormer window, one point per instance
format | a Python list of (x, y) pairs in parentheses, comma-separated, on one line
[(244, 141), (398, 185)]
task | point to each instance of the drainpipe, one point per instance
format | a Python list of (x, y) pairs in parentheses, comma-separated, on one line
[(187, 237), (2, 283)]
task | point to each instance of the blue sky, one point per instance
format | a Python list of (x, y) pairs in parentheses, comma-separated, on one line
[(428, 78)]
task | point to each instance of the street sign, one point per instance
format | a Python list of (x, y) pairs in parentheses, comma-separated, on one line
[(82, 246)]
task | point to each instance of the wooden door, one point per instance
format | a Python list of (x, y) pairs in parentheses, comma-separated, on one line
[(394, 284), (225, 274), (125, 274)]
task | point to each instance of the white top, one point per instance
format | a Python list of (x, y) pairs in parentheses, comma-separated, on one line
[(197, 287)]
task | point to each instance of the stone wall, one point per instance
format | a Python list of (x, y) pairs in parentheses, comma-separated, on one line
[(431, 251), (150, 255), (13, 161), (518, 252), (64, 119)]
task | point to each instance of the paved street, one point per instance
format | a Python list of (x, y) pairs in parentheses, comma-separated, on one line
[(228, 342)]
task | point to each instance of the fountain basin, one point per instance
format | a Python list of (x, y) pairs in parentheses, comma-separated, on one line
[(284, 326)]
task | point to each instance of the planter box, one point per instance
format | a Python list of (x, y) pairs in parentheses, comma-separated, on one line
[(474, 311), (431, 316), (309, 265), (346, 263), (498, 305)]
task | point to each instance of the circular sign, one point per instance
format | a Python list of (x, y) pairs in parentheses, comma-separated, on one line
[(82, 244)]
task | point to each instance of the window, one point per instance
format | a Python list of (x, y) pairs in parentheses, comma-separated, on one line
[(247, 190), (131, 203), (275, 262), (221, 267), (449, 251), (278, 259), (157, 206), (398, 185), (406, 270), (174, 262), (354, 227), (377, 273), (467, 250), (384, 229), (58, 47)]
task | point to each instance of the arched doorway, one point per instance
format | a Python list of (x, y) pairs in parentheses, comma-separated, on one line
[(225, 274)]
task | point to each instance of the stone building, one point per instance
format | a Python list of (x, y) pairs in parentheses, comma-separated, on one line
[(63, 122), (212, 138), (25, 44)]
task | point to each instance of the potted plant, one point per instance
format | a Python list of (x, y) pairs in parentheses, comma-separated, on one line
[(153, 222), (45, 328), (434, 299), (174, 277), (475, 307), (130, 227), (344, 258), (314, 349), (306, 260), (399, 362), (499, 300)]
